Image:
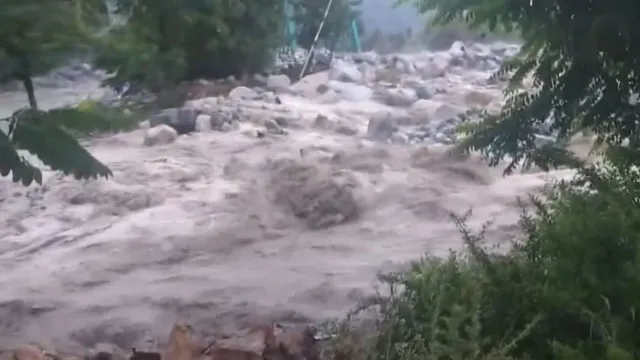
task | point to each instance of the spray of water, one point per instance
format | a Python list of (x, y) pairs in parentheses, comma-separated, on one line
[(117, 18)]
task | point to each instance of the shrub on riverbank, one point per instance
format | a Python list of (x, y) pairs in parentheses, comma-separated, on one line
[(568, 289)]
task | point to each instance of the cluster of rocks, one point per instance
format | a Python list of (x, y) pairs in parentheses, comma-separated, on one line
[(220, 113), (288, 60), (425, 96), (395, 128), (261, 342), (427, 93)]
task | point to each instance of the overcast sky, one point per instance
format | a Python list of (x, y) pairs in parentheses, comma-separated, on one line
[(381, 14)]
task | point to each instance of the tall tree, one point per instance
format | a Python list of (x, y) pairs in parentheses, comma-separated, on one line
[(170, 41)]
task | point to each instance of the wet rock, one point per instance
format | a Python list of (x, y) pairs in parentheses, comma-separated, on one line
[(144, 355), (255, 344), (344, 71), (381, 127), (270, 98), (419, 134), (183, 120), (395, 97), (278, 83), (282, 121), (221, 111), (443, 138), (218, 121), (28, 352), (299, 344), (107, 351), (458, 49), (386, 75), (322, 122), (204, 123), (273, 127), (319, 198), (436, 67), (322, 89), (368, 57), (308, 85), (204, 105), (182, 344), (243, 93), (398, 116), (423, 111), (403, 65), (346, 130), (424, 92), (160, 135), (446, 111), (260, 79)]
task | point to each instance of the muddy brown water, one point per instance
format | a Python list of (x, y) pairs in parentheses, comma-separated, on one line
[(190, 231)]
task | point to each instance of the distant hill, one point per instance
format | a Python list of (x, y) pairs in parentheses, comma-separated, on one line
[(381, 14)]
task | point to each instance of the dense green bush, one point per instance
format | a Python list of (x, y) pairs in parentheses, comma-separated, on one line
[(569, 288), (167, 42)]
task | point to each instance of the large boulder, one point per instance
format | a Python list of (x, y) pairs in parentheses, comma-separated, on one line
[(160, 135), (183, 120), (311, 86), (381, 127), (395, 97), (243, 93), (278, 83), (319, 197), (344, 71)]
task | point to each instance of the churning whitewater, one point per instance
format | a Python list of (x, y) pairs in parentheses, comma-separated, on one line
[(273, 208)]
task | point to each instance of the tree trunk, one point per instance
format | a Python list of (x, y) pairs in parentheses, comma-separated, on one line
[(24, 74), (31, 94)]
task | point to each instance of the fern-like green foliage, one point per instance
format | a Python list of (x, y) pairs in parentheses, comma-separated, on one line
[(51, 136), (582, 58)]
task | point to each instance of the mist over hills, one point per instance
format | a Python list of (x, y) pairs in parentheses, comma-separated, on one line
[(381, 14)]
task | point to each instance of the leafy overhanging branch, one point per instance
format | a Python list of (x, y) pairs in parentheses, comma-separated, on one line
[(12, 163), (583, 62), (46, 134)]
